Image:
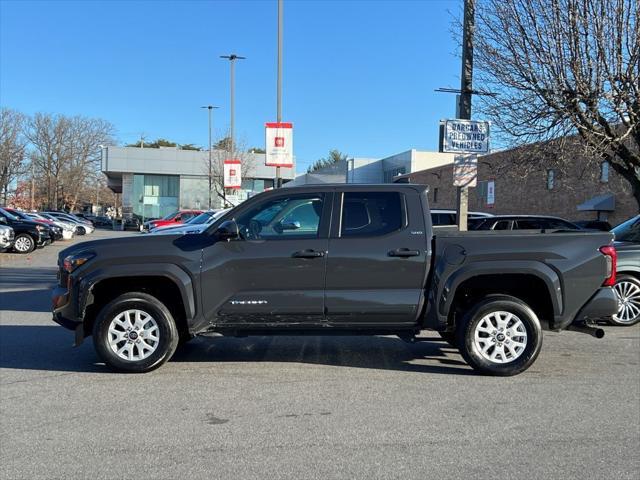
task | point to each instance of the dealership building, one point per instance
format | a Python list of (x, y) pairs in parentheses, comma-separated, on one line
[(154, 182), (374, 170)]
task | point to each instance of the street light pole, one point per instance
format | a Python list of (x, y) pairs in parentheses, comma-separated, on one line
[(210, 108), (279, 83), (232, 59)]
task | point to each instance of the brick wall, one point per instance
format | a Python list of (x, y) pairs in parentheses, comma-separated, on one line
[(527, 193)]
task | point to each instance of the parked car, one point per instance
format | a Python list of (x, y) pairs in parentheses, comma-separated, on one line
[(195, 225), (7, 236), (103, 221), (523, 222), (441, 218), (56, 231), (353, 259), (28, 234), (627, 287), (68, 230), (78, 228), (174, 218), (83, 227), (594, 225)]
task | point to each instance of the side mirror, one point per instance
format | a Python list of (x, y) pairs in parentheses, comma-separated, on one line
[(228, 230)]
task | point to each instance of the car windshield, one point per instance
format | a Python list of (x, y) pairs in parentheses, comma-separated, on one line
[(8, 215), (628, 231), (202, 218), (170, 216), (21, 215)]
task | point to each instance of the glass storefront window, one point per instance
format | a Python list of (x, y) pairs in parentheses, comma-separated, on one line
[(193, 193), (155, 196)]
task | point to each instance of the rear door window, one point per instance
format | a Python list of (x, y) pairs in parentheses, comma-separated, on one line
[(371, 214)]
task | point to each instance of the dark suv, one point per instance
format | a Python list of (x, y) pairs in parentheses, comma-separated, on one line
[(29, 235)]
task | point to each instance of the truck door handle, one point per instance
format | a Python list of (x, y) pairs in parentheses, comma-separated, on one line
[(307, 254), (403, 252)]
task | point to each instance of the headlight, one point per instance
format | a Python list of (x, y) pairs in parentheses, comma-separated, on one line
[(72, 262)]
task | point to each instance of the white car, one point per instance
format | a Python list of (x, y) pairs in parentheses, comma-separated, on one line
[(7, 235), (82, 227), (68, 230), (196, 225)]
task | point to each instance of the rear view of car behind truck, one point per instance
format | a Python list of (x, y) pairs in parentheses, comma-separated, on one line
[(335, 259)]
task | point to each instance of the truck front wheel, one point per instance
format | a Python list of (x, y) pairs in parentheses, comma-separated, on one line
[(500, 336), (135, 333)]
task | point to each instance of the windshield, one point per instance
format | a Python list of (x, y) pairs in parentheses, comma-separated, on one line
[(628, 231), (170, 216), (21, 215), (202, 218), (8, 215)]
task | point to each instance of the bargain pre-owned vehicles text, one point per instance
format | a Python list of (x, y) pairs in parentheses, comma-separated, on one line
[(336, 259)]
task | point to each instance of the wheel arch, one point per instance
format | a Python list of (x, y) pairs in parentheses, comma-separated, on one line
[(171, 286), (541, 293)]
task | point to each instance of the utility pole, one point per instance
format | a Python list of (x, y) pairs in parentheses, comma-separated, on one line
[(466, 78), (279, 83), (210, 108)]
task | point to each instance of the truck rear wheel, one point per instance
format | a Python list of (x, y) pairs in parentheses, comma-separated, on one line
[(135, 333), (500, 336)]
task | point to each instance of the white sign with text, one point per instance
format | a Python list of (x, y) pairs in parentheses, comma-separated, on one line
[(279, 144), (466, 136)]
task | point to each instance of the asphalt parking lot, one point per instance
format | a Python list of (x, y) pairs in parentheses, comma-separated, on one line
[(305, 407)]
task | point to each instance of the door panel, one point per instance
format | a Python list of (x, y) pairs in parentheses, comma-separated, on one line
[(377, 260), (275, 274)]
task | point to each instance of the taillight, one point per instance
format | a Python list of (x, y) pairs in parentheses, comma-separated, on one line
[(611, 255)]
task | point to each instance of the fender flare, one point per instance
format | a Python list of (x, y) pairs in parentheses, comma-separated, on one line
[(545, 273), (178, 276)]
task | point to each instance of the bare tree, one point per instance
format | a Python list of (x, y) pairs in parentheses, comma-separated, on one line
[(85, 155), (218, 157), (65, 153), (12, 148), (566, 74)]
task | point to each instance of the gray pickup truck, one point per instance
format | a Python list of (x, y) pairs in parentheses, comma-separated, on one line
[(341, 260)]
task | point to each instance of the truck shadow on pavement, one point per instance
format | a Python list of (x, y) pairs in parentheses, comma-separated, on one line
[(373, 352), (49, 348), (26, 289)]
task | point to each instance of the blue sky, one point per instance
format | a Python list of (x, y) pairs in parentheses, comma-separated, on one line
[(359, 76)]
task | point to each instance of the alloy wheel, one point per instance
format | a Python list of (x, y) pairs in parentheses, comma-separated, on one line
[(629, 295), (500, 337), (23, 244), (133, 335)]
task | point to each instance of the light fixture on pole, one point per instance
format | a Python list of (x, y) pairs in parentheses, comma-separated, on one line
[(210, 108), (232, 59)]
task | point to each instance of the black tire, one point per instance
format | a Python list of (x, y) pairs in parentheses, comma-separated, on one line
[(24, 243), (626, 284), (167, 333), (450, 338), (472, 351), (80, 230)]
